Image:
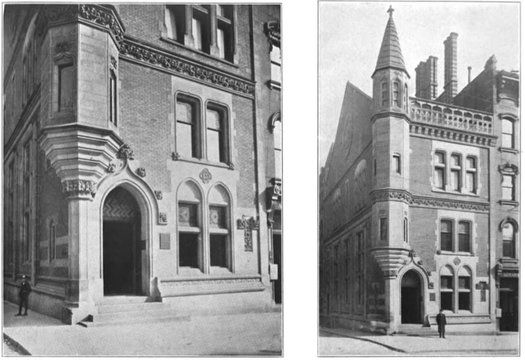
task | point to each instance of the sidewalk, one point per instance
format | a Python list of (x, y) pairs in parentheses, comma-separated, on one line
[(239, 334), (502, 344)]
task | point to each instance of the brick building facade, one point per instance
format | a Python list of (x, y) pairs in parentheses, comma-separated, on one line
[(142, 156), (419, 199)]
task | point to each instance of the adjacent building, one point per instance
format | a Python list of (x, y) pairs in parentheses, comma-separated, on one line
[(142, 156), (419, 199)]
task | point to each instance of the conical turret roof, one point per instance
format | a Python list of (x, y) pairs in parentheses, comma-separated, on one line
[(390, 55)]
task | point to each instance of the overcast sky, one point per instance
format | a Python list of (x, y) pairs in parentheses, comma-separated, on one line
[(350, 35)]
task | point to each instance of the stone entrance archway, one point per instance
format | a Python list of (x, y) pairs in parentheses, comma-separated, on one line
[(411, 298), (122, 246)]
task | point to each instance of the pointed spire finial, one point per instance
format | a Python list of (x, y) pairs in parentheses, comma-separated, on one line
[(390, 10)]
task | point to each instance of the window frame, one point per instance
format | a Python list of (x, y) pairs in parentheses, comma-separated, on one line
[(513, 241), (224, 133), (468, 234), (196, 125), (442, 166), (452, 229), (472, 171), (193, 230), (510, 135), (456, 169)]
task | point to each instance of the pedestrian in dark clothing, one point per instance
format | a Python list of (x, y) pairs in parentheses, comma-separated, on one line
[(23, 295), (441, 320)]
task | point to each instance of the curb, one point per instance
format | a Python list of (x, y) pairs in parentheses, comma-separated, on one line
[(363, 339), (16, 345)]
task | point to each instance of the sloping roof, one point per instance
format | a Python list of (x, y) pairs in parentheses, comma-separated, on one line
[(390, 55)]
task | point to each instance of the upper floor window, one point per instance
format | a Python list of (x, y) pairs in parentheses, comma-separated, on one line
[(507, 133), (405, 229), (277, 147), (509, 239), (384, 93), (446, 235), (199, 136), (112, 97), (396, 100), (507, 187), (455, 172), (439, 170), (406, 97), (471, 174), (216, 135), (210, 28), (383, 229), (275, 61), (396, 163), (464, 236), (187, 131), (66, 80)]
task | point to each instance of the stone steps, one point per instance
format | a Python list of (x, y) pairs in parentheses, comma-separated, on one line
[(417, 330), (130, 310)]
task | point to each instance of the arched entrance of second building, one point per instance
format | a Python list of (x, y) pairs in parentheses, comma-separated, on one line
[(411, 298), (122, 250)]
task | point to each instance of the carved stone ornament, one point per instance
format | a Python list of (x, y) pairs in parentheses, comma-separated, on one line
[(79, 187), (456, 261), (158, 194), (508, 168), (175, 156), (111, 168), (205, 175), (104, 17), (179, 66), (273, 31), (141, 172), (125, 152), (163, 218), (248, 222), (405, 196), (113, 62), (62, 51), (231, 166)]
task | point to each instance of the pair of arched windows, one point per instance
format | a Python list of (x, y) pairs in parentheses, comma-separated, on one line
[(455, 289), (204, 223)]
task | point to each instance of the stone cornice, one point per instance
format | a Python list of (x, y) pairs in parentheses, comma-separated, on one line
[(448, 134), (395, 114), (424, 201), (143, 54)]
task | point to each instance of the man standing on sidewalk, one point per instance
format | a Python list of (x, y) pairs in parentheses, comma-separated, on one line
[(441, 320), (23, 295)]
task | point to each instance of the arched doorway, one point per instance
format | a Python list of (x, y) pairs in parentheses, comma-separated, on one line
[(122, 245), (411, 298)]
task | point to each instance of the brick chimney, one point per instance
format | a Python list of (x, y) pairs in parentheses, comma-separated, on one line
[(451, 78), (426, 79)]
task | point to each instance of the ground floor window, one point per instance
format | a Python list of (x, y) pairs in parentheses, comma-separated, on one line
[(189, 250), (218, 250)]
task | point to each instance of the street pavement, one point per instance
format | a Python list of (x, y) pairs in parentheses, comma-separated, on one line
[(349, 342), (234, 334)]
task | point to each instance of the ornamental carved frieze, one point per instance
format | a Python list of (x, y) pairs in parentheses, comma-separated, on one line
[(414, 200), (179, 66), (391, 194), (80, 188), (104, 17)]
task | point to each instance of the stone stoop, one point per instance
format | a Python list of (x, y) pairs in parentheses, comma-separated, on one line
[(131, 310)]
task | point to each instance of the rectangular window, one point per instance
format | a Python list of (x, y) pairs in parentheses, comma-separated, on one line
[(201, 27), (275, 59), (471, 175), (464, 236), (187, 137), (113, 98), (397, 163), (405, 230), (507, 133), (455, 172), (507, 187), (439, 170), (215, 123), (188, 215), (446, 235), (218, 250), (175, 18), (464, 293), (383, 229), (188, 250), (66, 81), (395, 93), (447, 292), (225, 31), (384, 94)]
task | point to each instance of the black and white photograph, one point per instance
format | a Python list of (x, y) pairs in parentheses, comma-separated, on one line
[(419, 178), (142, 149)]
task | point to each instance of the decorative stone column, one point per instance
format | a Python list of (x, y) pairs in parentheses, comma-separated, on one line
[(80, 156)]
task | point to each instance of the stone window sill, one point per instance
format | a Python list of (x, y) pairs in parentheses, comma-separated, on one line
[(202, 53), (206, 163), (509, 150), (509, 202), (448, 192)]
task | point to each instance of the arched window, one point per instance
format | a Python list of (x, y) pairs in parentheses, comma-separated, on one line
[(396, 99), (507, 133), (446, 288), (464, 289), (509, 239), (216, 133), (384, 93), (189, 226), (219, 227)]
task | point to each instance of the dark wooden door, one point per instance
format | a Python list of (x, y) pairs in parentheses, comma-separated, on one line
[(119, 269)]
